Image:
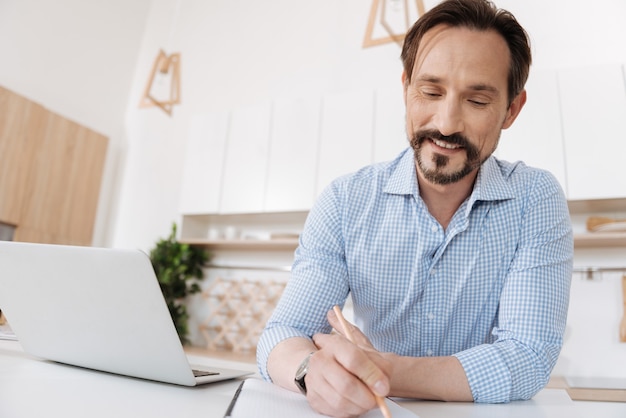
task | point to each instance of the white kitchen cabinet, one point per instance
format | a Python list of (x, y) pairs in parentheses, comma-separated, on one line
[(246, 159), (204, 161), (293, 154), (346, 138), (536, 137), (593, 107), (389, 123)]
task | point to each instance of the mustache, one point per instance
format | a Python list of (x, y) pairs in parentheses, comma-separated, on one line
[(457, 139), (419, 137)]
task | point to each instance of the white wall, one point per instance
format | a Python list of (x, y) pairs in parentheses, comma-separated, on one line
[(236, 53), (571, 33)]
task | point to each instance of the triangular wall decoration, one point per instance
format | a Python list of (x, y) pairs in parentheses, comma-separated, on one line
[(389, 21)]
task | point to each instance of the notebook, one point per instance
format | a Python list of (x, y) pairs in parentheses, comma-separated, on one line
[(97, 308), (259, 399)]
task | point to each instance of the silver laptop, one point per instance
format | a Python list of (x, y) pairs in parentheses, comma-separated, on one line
[(97, 308)]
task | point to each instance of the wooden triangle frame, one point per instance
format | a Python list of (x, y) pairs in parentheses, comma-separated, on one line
[(166, 65), (378, 8)]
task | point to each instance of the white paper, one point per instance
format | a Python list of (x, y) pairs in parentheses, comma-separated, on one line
[(260, 399)]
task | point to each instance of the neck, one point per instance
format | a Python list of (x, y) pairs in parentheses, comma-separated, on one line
[(443, 201)]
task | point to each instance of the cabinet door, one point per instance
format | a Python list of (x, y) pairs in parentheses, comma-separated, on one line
[(61, 197), (293, 155), (346, 139), (21, 129), (389, 124), (245, 165), (204, 163), (593, 103), (536, 137), (50, 173)]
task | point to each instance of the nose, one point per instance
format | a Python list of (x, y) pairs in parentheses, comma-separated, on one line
[(449, 117)]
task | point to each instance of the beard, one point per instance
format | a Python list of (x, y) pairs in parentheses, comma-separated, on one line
[(438, 175)]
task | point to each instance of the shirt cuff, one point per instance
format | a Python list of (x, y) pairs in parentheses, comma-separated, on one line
[(487, 374), (269, 339)]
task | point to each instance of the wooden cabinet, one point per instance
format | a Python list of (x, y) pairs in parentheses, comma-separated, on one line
[(22, 125), (51, 173)]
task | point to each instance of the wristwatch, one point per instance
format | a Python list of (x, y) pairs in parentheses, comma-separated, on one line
[(301, 374)]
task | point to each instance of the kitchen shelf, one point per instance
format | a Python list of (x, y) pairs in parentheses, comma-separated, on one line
[(284, 244), (278, 231), (596, 205), (585, 240), (600, 239)]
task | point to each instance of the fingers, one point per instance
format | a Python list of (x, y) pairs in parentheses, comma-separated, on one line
[(344, 377), (358, 337), (355, 335), (333, 390), (364, 365)]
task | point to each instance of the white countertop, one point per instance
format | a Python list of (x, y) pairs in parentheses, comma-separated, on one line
[(31, 387)]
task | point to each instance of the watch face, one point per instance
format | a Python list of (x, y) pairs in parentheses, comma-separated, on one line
[(301, 374), (303, 368)]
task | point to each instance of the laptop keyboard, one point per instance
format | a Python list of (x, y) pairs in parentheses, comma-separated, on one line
[(201, 373)]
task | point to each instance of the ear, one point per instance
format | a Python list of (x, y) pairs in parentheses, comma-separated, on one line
[(516, 106), (405, 84)]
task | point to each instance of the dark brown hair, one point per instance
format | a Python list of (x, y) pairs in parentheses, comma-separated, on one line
[(480, 15)]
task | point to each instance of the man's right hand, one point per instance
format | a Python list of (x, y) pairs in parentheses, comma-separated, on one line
[(343, 377)]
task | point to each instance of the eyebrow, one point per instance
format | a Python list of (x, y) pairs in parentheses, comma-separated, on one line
[(484, 87), (476, 87)]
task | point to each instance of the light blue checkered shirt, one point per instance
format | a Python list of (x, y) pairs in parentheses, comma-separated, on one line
[(492, 289)]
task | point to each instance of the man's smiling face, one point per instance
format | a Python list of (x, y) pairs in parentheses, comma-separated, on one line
[(456, 101)]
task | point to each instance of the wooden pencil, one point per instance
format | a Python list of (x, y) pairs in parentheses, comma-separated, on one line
[(348, 333)]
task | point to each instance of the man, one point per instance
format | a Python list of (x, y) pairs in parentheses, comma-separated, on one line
[(458, 264)]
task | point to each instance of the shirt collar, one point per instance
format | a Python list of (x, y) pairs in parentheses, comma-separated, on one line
[(491, 183), (403, 179)]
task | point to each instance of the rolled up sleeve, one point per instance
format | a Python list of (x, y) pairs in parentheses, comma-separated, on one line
[(533, 305)]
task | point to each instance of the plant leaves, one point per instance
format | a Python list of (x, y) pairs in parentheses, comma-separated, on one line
[(179, 269)]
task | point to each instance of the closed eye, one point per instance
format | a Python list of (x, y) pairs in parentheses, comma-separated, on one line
[(430, 93), (478, 103)]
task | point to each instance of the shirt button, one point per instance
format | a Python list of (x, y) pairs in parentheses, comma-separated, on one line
[(430, 316), (429, 352), (434, 228)]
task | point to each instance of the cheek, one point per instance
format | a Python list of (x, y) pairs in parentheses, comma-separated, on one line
[(486, 141), (416, 117), (486, 128)]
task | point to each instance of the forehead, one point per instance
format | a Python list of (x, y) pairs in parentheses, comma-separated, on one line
[(463, 54)]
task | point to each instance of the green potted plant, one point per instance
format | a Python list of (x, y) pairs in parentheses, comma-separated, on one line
[(179, 269)]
